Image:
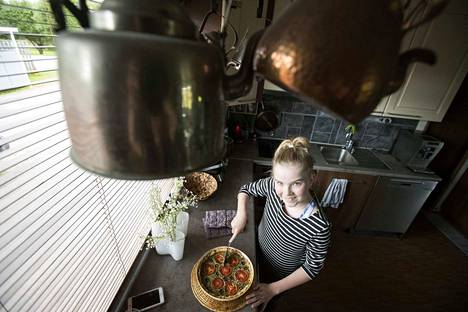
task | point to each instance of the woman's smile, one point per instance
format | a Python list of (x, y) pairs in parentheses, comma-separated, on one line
[(290, 199), (291, 184)]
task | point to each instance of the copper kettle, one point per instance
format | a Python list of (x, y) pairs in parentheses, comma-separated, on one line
[(341, 54)]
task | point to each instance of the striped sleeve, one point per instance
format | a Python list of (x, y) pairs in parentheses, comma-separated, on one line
[(316, 252), (259, 188)]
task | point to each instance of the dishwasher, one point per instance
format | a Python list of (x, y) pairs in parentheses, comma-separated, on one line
[(393, 204)]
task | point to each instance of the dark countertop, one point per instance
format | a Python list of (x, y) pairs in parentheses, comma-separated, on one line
[(174, 276), (248, 150)]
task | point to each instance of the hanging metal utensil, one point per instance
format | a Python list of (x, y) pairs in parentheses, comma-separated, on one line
[(266, 120)]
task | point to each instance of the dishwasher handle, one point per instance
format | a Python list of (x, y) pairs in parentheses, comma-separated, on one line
[(404, 181), (426, 184)]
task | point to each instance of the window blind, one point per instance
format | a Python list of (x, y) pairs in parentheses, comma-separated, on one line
[(67, 237)]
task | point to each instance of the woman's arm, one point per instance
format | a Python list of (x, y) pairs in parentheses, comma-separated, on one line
[(264, 292), (240, 220), (294, 279), (259, 188)]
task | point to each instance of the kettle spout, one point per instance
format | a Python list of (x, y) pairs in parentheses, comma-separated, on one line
[(405, 59), (240, 83)]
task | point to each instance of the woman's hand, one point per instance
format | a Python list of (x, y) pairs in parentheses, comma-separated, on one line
[(238, 224), (262, 294)]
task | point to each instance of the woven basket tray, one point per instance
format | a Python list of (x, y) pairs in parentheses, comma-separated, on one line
[(210, 302), (201, 184)]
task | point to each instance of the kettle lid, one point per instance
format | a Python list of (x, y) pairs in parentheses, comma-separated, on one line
[(161, 17)]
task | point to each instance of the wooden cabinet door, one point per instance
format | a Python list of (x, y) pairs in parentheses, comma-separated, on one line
[(358, 190), (380, 108), (429, 90)]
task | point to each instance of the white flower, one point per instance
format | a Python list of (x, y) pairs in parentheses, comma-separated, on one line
[(166, 213)]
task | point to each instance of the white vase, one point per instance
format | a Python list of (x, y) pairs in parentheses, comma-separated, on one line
[(174, 248), (166, 246), (156, 229), (182, 222)]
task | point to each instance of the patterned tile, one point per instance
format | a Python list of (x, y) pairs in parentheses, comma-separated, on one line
[(300, 117), (320, 137), (307, 126), (304, 108), (382, 143), (292, 120), (341, 134), (279, 132), (374, 128), (336, 126), (308, 122), (324, 124), (293, 132), (366, 141)]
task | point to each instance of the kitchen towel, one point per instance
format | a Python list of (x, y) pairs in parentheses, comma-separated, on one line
[(217, 223), (334, 195)]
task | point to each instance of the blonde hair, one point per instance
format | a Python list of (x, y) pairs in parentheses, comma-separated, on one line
[(295, 151)]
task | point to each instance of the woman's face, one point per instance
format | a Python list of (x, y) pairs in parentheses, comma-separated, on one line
[(292, 184)]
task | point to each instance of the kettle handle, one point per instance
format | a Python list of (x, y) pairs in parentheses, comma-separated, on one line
[(240, 83), (405, 59), (434, 10)]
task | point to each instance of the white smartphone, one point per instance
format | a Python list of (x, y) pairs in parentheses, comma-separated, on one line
[(147, 300)]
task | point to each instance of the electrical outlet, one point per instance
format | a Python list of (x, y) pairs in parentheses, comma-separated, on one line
[(384, 120)]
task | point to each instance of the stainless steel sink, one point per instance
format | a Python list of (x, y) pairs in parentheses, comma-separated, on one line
[(337, 155), (360, 158)]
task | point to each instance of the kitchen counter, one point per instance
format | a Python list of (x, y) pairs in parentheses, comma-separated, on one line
[(374, 189), (397, 170), (174, 276)]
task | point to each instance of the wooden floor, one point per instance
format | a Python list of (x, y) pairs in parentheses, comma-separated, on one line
[(423, 271)]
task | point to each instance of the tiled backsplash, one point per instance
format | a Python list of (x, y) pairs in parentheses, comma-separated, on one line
[(300, 118)]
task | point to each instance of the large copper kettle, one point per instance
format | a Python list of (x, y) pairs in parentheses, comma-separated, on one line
[(341, 54)]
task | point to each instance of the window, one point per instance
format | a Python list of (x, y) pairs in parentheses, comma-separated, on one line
[(67, 237)]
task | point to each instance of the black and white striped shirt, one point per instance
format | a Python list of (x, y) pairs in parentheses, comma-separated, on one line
[(289, 243)]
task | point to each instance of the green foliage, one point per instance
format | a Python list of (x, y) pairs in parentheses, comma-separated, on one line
[(166, 213), (352, 128), (39, 20), (28, 21)]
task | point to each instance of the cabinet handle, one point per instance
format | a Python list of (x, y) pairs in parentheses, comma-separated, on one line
[(405, 115)]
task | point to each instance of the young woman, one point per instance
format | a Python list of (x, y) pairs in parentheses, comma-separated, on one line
[(294, 233)]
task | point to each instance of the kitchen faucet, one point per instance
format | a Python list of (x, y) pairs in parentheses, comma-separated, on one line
[(349, 144)]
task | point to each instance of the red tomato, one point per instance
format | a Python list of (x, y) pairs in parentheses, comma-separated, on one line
[(225, 270), (231, 289), (242, 275), (233, 261), (219, 257), (217, 283), (209, 268)]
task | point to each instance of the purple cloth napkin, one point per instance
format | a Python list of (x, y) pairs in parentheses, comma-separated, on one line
[(217, 223)]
